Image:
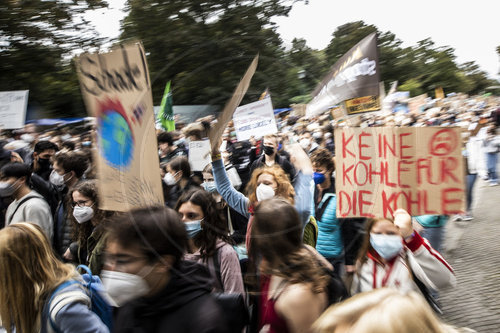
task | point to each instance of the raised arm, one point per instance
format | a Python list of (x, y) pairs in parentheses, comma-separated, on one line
[(234, 199)]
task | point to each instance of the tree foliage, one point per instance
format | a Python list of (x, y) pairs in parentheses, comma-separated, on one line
[(420, 68), (37, 39), (204, 48)]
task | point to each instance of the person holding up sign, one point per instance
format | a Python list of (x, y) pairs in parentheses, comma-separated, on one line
[(267, 183), (394, 255)]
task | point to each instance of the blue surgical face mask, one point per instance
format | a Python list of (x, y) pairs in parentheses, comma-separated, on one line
[(193, 228), (318, 178), (210, 187), (387, 246)]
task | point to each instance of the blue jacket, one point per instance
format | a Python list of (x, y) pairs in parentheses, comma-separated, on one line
[(329, 243), (74, 317)]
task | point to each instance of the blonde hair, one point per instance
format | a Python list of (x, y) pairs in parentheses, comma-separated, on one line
[(285, 189), (29, 272), (383, 310)]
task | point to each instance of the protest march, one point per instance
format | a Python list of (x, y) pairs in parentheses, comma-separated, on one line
[(316, 218)]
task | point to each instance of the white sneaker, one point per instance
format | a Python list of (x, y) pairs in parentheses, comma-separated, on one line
[(467, 217), (493, 184)]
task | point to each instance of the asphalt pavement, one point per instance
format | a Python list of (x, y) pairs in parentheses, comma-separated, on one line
[(473, 250)]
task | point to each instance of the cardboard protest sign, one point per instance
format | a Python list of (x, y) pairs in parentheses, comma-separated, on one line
[(255, 119), (117, 91), (240, 91), (355, 74), (199, 154), (381, 169), (13, 108)]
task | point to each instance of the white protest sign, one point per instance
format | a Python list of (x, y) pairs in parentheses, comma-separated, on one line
[(199, 155), (255, 119), (13, 108)]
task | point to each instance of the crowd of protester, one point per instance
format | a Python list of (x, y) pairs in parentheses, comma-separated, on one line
[(251, 243)]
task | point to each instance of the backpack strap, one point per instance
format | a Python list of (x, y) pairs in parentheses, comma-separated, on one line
[(19, 205), (218, 273), (58, 300), (320, 209)]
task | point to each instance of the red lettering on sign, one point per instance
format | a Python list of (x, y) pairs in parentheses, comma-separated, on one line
[(386, 145), (386, 203), (402, 146), (362, 203), (343, 194), (361, 146), (445, 201), (411, 202), (372, 173), (400, 170), (345, 142), (345, 175), (426, 210), (447, 169), (365, 173)]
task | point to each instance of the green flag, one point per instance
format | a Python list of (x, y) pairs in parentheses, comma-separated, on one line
[(166, 114)]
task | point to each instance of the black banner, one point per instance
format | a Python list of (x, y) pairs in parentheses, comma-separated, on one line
[(354, 75)]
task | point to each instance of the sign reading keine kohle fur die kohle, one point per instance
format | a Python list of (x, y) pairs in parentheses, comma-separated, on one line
[(381, 169)]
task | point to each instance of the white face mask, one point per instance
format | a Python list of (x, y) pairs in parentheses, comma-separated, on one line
[(123, 287), (264, 192), (169, 179), (56, 179), (83, 214)]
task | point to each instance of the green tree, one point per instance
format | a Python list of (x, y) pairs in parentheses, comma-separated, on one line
[(37, 40), (204, 48)]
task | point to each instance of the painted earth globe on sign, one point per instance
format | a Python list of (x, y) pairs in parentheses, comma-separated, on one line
[(117, 141)]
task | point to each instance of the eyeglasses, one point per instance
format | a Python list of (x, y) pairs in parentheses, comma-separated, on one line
[(81, 203)]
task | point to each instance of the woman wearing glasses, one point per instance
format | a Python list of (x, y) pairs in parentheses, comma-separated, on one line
[(88, 226)]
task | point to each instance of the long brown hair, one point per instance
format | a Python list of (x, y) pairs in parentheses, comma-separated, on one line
[(82, 231), (29, 272), (213, 226), (285, 189), (277, 238)]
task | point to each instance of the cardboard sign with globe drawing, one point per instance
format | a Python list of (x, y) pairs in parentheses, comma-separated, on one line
[(117, 91)]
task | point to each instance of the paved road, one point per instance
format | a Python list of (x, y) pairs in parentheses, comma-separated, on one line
[(473, 249)]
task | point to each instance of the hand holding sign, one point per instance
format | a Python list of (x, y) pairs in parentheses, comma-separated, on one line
[(403, 220)]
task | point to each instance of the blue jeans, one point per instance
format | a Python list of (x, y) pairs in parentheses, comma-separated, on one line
[(491, 165), (434, 236), (471, 180)]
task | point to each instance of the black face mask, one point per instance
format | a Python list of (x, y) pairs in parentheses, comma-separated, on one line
[(268, 150), (44, 163)]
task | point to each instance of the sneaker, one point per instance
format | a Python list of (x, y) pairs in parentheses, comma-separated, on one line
[(457, 218), (493, 184), (467, 217)]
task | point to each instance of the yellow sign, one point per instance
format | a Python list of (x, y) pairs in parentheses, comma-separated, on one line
[(439, 92), (362, 104)]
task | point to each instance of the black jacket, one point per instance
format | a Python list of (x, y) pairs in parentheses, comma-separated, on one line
[(184, 306), (280, 160)]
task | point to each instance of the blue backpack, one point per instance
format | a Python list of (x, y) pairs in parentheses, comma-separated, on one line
[(94, 299)]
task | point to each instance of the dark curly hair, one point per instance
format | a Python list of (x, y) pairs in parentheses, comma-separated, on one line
[(214, 224), (324, 158)]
